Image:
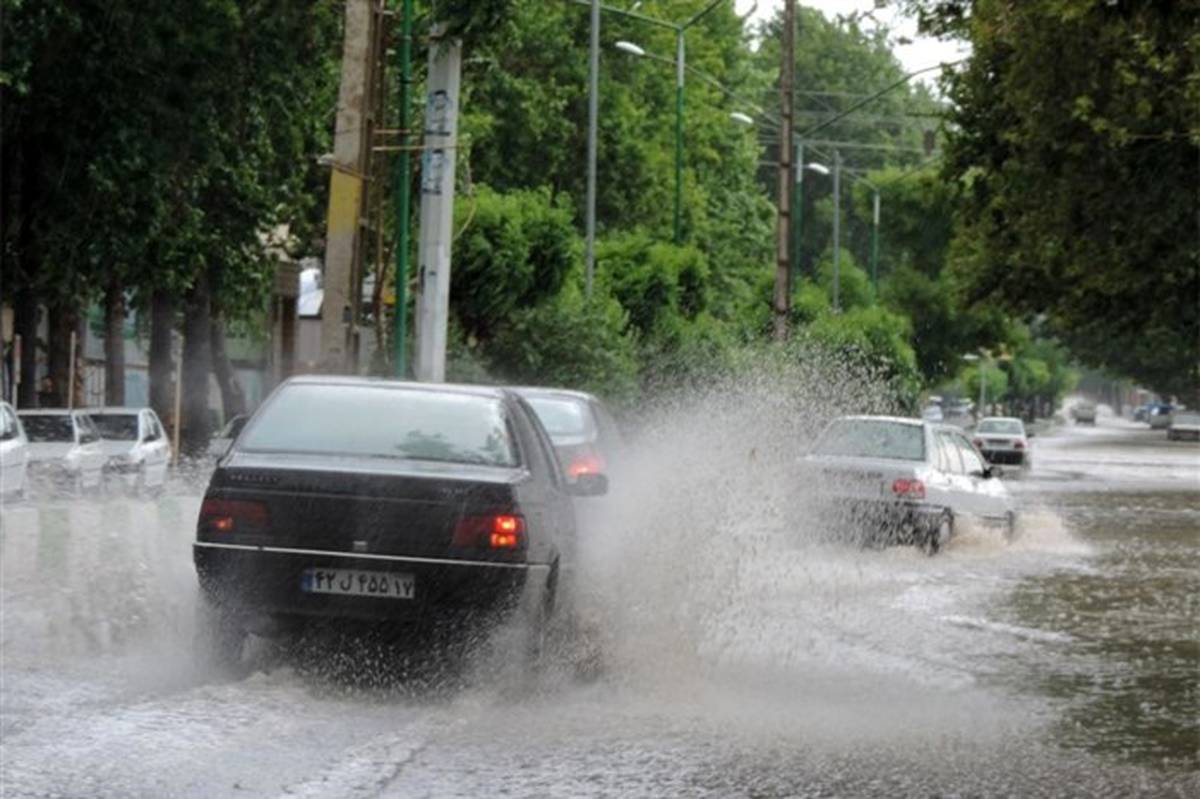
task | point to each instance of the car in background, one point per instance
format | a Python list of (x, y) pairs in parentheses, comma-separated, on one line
[(65, 453), (584, 433), (435, 506), (1142, 412), (1184, 425), (136, 446), (1003, 440), (1084, 412), (14, 454), (887, 480), (933, 413), (959, 413), (219, 444), (1160, 416)]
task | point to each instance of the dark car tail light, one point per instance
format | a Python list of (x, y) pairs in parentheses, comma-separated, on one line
[(908, 489), (978, 443), (233, 516), (497, 531), (585, 461), (1019, 444)]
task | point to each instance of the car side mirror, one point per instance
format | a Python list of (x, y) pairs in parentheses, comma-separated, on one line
[(589, 485)]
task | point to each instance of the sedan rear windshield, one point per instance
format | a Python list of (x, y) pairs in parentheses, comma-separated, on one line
[(1009, 427), (117, 426), (378, 421), (49, 428), (873, 438), (563, 417)]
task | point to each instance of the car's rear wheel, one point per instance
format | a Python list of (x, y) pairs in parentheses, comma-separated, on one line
[(1010, 526), (939, 534), (219, 638)]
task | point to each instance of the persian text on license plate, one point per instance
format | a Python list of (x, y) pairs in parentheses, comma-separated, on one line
[(353, 582)]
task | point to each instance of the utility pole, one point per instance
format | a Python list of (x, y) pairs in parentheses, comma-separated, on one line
[(593, 122), (837, 230), (783, 229), (437, 205), (403, 197), (349, 164)]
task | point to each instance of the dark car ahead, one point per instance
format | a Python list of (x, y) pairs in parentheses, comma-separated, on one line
[(352, 498), (583, 431)]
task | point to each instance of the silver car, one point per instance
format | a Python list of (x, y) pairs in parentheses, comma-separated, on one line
[(889, 480), (14, 454), (135, 445), (1003, 439), (1184, 424), (64, 450)]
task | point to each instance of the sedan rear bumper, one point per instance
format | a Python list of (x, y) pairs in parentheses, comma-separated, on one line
[(882, 522), (255, 582), (1005, 457)]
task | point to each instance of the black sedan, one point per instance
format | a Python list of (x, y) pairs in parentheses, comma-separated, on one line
[(352, 498)]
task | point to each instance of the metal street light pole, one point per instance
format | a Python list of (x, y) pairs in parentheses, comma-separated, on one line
[(593, 117), (837, 231), (875, 244), (679, 70)]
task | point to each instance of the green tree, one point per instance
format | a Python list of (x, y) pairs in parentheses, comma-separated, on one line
[(1074, 127)]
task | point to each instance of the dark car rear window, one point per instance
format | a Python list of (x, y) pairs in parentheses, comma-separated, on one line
[(873, 438), (379, 421), (49, 428), (117, 426), (563, 417)]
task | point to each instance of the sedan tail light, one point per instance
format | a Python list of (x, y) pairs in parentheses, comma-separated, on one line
[(978, 443), (233, 516), (908, 489), (585, 462), (499, 531), (1019, 444)]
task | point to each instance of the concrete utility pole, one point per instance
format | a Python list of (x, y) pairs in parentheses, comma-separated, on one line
[(437, 206), (783, 272), (350, 153)]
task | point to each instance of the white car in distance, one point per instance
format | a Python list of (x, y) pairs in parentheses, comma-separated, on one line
[(135, 446), (64, 450), (1004, 440), (888, 480), (14, 454)]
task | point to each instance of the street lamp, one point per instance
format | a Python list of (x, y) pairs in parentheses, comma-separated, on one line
[(680, 69), (738, 116)]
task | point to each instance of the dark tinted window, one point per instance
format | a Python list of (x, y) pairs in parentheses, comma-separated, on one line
[(873, 438), (117, 426), (1001, 426), (49, 428), (379, 421)]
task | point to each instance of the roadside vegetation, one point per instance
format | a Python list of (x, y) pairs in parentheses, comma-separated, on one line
[(152, 149)]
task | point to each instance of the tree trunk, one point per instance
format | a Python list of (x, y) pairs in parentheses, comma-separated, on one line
[(197, 365), (162, 365), (233, 399), (114, 343), (25, 325), (62, 320)]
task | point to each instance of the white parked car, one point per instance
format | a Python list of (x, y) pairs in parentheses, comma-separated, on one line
[(219, 444), (1003, 439), (136, 447), (1184, 424), (14, 454), (888, 480), (64, 450)]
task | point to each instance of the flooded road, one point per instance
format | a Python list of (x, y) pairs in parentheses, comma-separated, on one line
[(738, 662)]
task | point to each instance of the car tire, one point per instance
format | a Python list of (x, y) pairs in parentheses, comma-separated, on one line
[(219, 639), (939, 534), (1010, 527)]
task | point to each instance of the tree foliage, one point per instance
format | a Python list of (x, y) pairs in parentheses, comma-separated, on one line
[(1075, 129)]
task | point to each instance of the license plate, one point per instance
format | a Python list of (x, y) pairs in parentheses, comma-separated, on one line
[(353, 582), (997, 443)]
